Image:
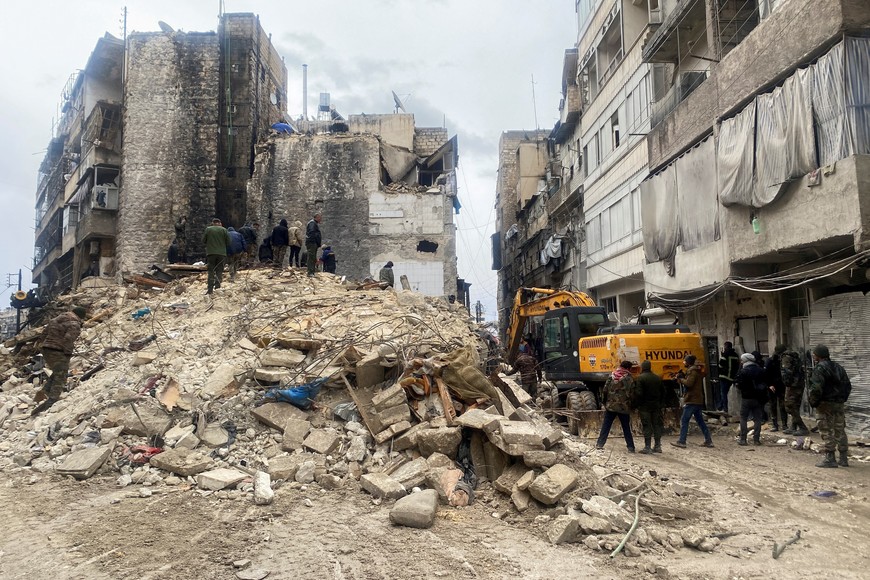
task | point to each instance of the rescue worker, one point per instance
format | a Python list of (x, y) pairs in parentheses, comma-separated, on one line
[(754, 392), (773, 378), (616, 397), (649, 397), (58, 341), (729, 365), (792, 369), (216, 240), (692, 381), (280, 241), (235, 251), (249, 233), (828, 392), (386, 275), (527, 366), (312, 242), (295, 236)]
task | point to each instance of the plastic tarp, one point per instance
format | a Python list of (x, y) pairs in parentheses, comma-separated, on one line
[(829, 107), (784, 140), (660, 215), (735, 158), (552, 250), (858, 93), (696, 196)]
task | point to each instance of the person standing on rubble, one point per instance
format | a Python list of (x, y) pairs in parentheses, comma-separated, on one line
[(650, 396), (58, 341), (527, 366), (692, 381), (386, 275), (617, 395), (295, 235), (729, 365), (754, 392), (181, 238), (235, 251), (312, 242), (328, 259), (249, 233), (792, 370), (216, 240), (828, 392), (280, 241)]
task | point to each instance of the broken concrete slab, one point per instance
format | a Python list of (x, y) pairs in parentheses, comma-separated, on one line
[(439, 460), (526, 480), (520, 433), (411, 474), (83, 464), (600, 507), (275, 415), (400, 413), (509, 478), (521, 499), (221, 382), (593, 525), (382, 485), (408, 439), (398, 161), (295, 431), (284, 467), (389, 397), (445, 440), (214, 435), (218, 479), (323, 441), (549, 487), (177, 432), (496, 460), (263, 494), (189, 441), (271, 374), (183, 462), (357, 450), (278, 357), (563, 529), (144, 357), (416, 510), (539, 458), (475, 419), (148, 419)]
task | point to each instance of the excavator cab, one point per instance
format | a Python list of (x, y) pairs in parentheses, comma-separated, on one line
[(562, 330)]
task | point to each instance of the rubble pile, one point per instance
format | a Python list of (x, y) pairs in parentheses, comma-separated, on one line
[(282, 381)]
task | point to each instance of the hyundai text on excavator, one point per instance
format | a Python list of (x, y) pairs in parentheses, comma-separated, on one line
[(581, 346)]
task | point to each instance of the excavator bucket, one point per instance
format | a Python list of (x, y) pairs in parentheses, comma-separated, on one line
[(588, 423)]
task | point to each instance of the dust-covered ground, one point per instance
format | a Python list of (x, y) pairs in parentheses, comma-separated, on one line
[(753, 497)]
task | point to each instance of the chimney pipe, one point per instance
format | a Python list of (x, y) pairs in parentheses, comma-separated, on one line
[(305, 91)]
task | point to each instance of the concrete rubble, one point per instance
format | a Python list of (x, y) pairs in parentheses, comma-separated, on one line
[(405, 414)]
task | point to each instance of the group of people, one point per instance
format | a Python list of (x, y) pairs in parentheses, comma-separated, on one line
[(779, 382)]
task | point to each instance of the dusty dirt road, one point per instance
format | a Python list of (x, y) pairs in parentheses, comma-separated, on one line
[(66, 529)]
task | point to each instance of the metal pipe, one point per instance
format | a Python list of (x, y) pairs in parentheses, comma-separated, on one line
[(305, 91)]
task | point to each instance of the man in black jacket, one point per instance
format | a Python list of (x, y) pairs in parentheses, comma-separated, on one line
[(750, 381), (650, 395), (729, 365), (773, 377), (312, 242), (280, 241)]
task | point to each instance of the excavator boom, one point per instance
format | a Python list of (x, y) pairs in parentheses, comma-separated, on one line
[(525, 306)]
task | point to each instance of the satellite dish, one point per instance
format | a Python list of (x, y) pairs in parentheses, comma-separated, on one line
[(165, 27), (398, 101)]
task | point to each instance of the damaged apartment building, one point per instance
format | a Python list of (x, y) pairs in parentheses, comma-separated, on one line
[(170, 125), (715, 160)]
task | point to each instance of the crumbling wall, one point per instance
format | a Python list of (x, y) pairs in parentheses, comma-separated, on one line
[(169, 163), (427, 140)]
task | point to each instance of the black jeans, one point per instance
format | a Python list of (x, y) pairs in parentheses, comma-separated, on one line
[(754, 409), (624, 420), (294, 255)]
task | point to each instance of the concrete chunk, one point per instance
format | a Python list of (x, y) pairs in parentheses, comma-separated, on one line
[(445, 440), (382, 485), (593, 525), (143, 357), (475, 419), (509, 478), (408, 439), (263, 493), (389, 397), (221, 381), (323, 441), (393, 415), (563, 529), (214, 435), (521, 499), (416, 510), (218, 479), (549, 487), (148, 419), (520, 433), (271, 374), (183, 462), (295, 431), (189, 441), (275, 415), (83, 464), (495, 460), (284, 467), (539, 458), (526, 480), (601, 507), (411, 474), (277, 357)]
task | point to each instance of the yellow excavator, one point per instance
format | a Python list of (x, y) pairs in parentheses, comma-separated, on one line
[(580, 346)]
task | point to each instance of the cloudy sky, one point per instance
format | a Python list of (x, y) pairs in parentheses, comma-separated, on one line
[(467, 62)]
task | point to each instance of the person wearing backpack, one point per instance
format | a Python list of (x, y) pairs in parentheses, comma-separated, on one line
[(753, 389), (828, 392), (792, 370)]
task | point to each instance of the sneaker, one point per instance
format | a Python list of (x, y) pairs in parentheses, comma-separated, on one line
[(679, 444), (707, 444), (742, 443)]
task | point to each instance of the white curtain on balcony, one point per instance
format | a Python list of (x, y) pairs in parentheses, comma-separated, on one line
[(660, 215), (858, 92), (696, 196), (784, 141), (735, 158)]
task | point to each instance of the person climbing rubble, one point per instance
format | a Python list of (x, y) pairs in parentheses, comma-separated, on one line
[(386, 275), (692, 381), (216, 240), (58, 341), (280, 241), (235, 251), (828, 392), (529, 371), (250, 233), (312, 242), (616, 396)]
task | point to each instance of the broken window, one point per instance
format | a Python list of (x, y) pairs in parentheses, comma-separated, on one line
[(427, 246)]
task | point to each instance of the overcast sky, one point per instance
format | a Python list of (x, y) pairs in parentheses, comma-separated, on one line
[(470, 62)]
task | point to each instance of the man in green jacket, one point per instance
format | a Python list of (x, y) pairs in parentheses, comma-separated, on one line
[(216, 240), (650, 394)]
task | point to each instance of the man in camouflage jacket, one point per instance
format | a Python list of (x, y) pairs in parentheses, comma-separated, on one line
[(617, 398), (58, 341), (828, 392)]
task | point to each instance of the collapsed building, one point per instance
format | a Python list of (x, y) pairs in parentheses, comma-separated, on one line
[(169, 125)]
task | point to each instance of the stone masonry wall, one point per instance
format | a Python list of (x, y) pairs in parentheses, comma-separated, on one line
[(169, 163), (427, 140)]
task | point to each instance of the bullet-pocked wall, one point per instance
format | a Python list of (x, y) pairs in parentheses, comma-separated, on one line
[(169, 164), (338, 175)]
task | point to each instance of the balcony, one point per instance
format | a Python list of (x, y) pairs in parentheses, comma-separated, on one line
[(683, 21), (687, 82)]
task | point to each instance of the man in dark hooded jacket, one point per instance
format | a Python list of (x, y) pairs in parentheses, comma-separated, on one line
[(280, 241), (754, 390)]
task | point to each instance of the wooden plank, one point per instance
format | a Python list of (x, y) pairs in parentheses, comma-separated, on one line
[(446, 401), (363, 403)]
